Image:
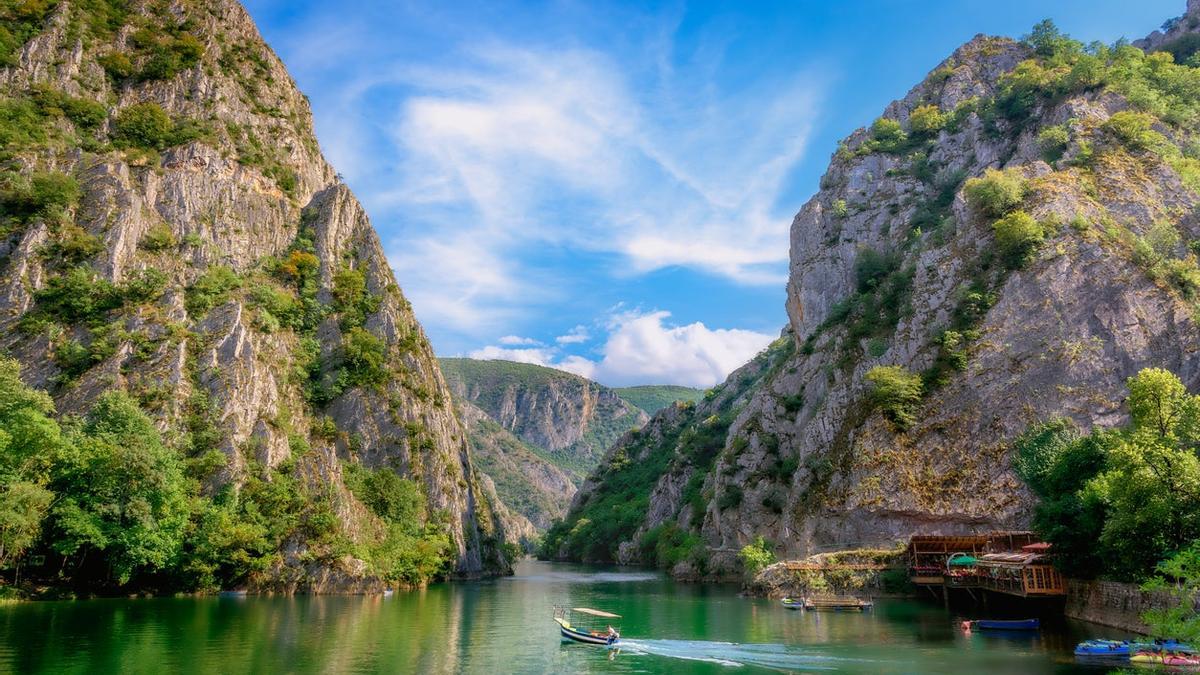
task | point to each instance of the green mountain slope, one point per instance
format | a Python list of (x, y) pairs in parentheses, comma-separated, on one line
[(532, 426), (655, 397)]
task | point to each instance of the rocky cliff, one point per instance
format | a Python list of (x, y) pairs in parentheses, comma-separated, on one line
[(1008, 243), (535, 431), (172, 229), (569, 417)]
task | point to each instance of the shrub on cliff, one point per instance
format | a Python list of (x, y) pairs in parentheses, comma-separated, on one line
[(756, 556), (1053, 141), (888, 136), (1018, 237), (896, 392), (926, 120), (996, 192)]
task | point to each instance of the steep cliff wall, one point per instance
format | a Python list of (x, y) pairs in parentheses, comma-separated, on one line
[(211, 263), (1031, 294), (569, 417)]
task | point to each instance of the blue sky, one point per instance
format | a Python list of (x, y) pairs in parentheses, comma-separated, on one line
[(607, 187)]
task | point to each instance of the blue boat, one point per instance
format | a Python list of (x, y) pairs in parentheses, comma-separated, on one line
[(1106, 649), (792, 603), (998, 624)]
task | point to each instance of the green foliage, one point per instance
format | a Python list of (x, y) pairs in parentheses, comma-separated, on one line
[(143, 125), (123, 497), (666, 546), (1053, 142), (211, 289), (388, 495), (364, 357), (1118, 502), (413, 550), (118, 65), (652, 398), (20, 20), (1133, 129), (158, 238), (926, 120), (731, 497), (46, 194), (147, 126), (23, 506), (996, 192), (73, 244), (1050, 43), (896, 392), (85, 113), (351, 298), (887, 135), (80, 295), (1179, 575), (756, 556), (29, 439), (1018, 237), (165, 54)]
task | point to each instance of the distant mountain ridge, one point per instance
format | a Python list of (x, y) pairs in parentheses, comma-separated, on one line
[(537, 431), (655, 397)]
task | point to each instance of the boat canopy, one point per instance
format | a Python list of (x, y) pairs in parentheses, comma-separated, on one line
[(964, 560), (595, 612)]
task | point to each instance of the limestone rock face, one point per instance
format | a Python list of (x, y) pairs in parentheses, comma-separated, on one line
[(568, 416), (808, 463), (247, 191), (536, 431)]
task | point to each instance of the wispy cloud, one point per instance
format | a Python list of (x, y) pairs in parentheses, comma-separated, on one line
[(576, 335), (497, 151), (514, 340)]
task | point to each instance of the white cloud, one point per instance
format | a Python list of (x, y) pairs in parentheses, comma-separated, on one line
[(517, 340), (536, 356), (642, 348), (476, 159), (574, 336)]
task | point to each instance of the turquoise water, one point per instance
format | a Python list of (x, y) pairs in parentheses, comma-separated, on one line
[(505, 626)]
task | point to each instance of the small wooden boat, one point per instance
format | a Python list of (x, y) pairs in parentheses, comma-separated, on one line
[(1008, 624), (576, 624), (1104, 649), (836, 603), (792, 603)]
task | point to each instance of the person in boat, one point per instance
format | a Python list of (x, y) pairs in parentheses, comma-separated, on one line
[(612, 635)]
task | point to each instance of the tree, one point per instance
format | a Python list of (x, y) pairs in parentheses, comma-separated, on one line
[(756, 556), (23, 505), (1018, 237), (1118, 502), (1179, 574), (143, 125), (29, 439), (122, 493), (996, 192), (897, 392)]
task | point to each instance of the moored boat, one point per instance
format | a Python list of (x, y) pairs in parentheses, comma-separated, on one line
[(792, 603), (1103, 649), (575, 623), (835, 603), (1007, 624)]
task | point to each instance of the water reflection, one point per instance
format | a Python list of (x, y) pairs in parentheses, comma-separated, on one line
[(504, 626)]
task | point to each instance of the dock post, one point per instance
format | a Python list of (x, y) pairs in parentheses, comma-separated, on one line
[(945, 597)]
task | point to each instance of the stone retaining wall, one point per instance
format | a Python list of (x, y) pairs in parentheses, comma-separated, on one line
[(1112, 603)]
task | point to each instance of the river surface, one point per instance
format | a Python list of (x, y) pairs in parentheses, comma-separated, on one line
[(504, 626)]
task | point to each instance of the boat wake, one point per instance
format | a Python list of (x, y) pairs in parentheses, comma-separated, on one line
[(735, 655)]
